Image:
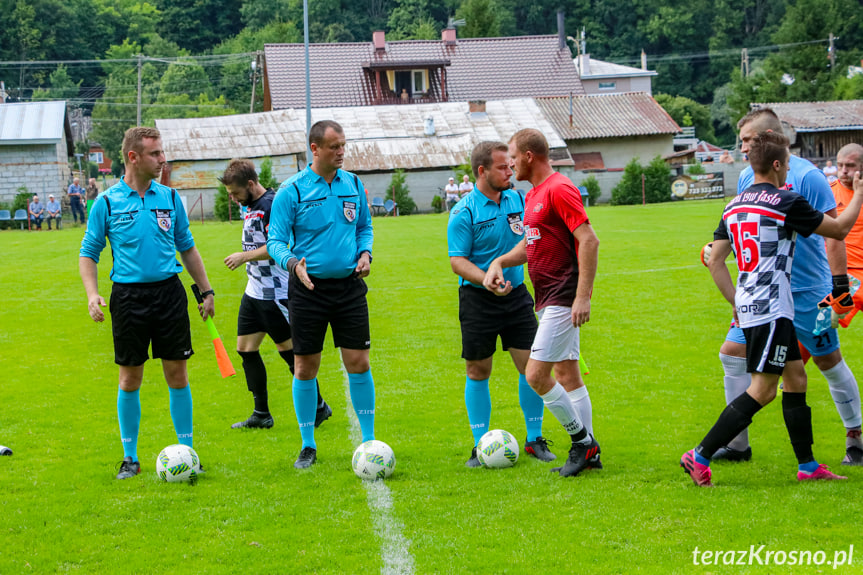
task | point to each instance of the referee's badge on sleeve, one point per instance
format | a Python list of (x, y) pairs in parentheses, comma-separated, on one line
[(515, 224), (163, 218), (350, 210)]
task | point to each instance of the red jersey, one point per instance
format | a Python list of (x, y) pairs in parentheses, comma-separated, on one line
[(552, 211)]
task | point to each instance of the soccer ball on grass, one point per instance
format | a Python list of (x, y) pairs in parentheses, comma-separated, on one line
[(374, 460), (178, 463), (497, 449)]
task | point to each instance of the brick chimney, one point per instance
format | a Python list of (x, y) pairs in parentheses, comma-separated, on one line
[(379, 39), (448, 36), (476, 106)]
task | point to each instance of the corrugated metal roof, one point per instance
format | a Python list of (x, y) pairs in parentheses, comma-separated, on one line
[(32, 122), (479, 68), (819, 116), (608, 116), (380, 138)]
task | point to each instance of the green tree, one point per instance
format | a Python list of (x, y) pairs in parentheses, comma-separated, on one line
[(687, 112), (657, 181), (200, 25), (61, 86), (399, 188), (628, 189), (849, 88), (481, 19), (593, 189), (265, 174)]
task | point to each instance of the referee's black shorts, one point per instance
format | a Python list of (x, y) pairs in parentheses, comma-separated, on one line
[(150, 312), (484, 316), (268, 316), (340, 303)]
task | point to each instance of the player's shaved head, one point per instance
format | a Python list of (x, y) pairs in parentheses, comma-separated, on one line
[(849, 161), (761, 120), (851, 152), (530, 140)]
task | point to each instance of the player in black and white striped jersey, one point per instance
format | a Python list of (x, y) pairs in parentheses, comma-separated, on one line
[(264, 307), (761, 226)]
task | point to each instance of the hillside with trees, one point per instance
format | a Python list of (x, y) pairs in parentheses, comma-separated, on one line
[(713, 57)]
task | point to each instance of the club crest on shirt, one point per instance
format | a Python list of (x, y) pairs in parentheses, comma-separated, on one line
[(350, 211), (515, 224), (537, 207), (163, 218)]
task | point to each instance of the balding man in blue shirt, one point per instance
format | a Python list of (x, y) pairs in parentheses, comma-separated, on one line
[(146, 225), (321, 231), (484, 225)]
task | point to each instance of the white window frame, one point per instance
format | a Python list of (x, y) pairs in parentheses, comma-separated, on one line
[(96, 157), (418, 89)]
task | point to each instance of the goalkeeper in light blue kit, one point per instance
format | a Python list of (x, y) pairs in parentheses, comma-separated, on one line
[(321, 232), (815, 261)]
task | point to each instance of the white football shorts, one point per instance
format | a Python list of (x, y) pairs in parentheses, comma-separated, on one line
[(556, 338)]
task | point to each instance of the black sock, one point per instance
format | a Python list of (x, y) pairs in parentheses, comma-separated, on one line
[(256, 378), (288, 356), (798, 421), (736, 417), (579, 437)]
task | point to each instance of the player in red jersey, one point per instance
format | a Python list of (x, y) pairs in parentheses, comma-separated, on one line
[(560, 248)]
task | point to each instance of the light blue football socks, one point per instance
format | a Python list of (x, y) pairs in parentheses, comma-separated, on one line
[(477, 399), (181, 413), (305, 392), (362, 388), (532, 407), (129, 414)]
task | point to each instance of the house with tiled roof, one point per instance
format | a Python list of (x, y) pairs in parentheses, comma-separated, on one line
[(818, 130), (606, 131), (382, 72)]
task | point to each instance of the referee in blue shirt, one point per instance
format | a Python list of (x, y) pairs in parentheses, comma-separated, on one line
[(486, 224), (146, 225), (321, 232)]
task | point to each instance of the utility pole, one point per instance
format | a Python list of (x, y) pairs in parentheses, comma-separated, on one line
[(255, 65), (138, 122), (831, 51), (744, 62)]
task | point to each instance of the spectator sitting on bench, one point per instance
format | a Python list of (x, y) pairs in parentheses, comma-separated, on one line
[(54, 209), (37, 212)]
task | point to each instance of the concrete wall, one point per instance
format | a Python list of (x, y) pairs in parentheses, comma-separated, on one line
[(617, 152), (42, 168), (423, 185), (635, 84)]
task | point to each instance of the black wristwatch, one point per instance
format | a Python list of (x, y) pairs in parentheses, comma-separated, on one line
[(208, 292)]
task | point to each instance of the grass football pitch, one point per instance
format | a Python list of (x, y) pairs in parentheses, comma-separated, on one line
[(656, 385)]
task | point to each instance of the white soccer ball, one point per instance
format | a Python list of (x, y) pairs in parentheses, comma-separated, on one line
[(177, 463), (497, 449), (374, 460)]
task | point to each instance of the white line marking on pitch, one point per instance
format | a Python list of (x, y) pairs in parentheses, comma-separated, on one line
[(395, 547)]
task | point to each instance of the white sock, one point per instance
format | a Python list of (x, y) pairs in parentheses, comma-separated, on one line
[(736, 381), (560, 406), (581, 401), (845, 393)]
